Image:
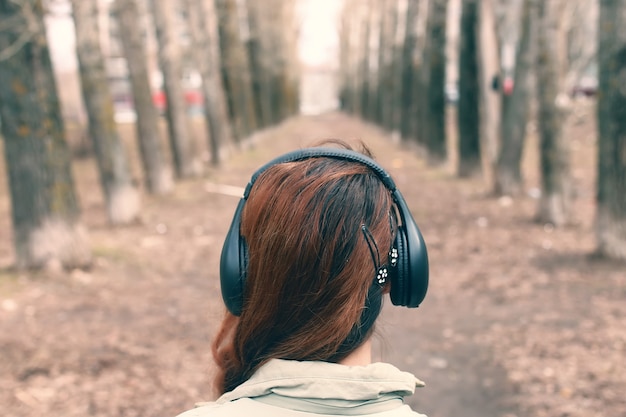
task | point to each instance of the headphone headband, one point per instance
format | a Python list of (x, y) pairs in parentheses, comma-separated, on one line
[(321, 152)]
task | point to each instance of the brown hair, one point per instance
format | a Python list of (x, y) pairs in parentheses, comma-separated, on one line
[(309, 291)]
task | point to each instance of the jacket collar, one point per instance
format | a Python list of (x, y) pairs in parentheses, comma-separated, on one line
[(327, 387)]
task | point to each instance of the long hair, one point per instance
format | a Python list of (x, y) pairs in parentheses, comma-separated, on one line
[(310, 292)]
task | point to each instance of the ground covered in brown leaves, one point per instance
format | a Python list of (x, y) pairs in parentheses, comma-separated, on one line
[(520, 320)]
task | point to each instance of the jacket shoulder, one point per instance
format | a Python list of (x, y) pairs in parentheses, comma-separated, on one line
[(247, 407), (244, 407), (201, 410)]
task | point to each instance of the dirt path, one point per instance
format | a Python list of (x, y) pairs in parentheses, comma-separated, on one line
[(519, 320)]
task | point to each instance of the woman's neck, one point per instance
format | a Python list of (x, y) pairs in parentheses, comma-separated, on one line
[(361, 356)]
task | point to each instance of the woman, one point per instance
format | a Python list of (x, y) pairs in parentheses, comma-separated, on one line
[(320, 235)]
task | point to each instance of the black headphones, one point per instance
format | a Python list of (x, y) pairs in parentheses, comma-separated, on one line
[(409, 276)]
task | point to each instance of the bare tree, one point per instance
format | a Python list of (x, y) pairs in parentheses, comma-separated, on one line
[(366, 96), (611, 182), (347, 26), (393, 121), (556, 196), (274, 63), (121, 196), (351, 53), (508, 174), (434, 129), (375, 23), (581, 21), (469, 97), (203, 28), (386, 40), (186, 162), (390, 69), (235, 68), (259, 73), (490, 99), (289, 37), (362, 64), (158, 175), (44, 207), (409, 71)]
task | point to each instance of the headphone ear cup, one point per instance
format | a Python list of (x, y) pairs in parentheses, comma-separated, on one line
[(233, 265), (412, 259), (417, 265), (398, 288)]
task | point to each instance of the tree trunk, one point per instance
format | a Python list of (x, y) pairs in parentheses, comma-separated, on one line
[(435, 76), (409, 75), (611, 181), (556, 196), (121, 196), (469, 97), (387, 74), (377, 22), (206, 58), (157, 173), (384, 49), (235, 69), (508, 174), (358, 61), (274, 67), (352, 29), (289, 37), (396, 69), (258, 71), (44, 207), (365, 98), (490, 99), (269, 19), (346, 55), (186, 163)]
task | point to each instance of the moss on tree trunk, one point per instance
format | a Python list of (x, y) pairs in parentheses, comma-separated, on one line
[(44, 207)]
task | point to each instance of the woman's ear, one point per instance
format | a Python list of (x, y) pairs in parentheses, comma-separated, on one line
[(387, 288)]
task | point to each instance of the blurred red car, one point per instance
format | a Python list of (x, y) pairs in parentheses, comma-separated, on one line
[(193, 100)]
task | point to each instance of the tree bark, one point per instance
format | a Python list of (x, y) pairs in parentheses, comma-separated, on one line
[(387, 76), (352, 32), (611, 181), (384, 49), (158, 175), (377, 23), (434, 129), (365, 98), (490, 100), (186, 163), (396, 68), (206, 58), (277, 38), (556, 196), (409, 71), (347, 26), (235, 69), (44, 207), (289, 36), (260, 78), (508, 175), (121, 196), (469, 92)]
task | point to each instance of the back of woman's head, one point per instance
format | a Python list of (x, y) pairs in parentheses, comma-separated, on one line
[(314, 229)]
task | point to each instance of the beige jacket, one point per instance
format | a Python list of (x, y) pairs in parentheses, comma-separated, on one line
[(284, 388)]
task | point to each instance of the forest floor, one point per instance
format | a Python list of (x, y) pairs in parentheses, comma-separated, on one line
[(520, 319)]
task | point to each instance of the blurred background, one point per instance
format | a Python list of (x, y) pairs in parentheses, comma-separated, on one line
[(130, 127)]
